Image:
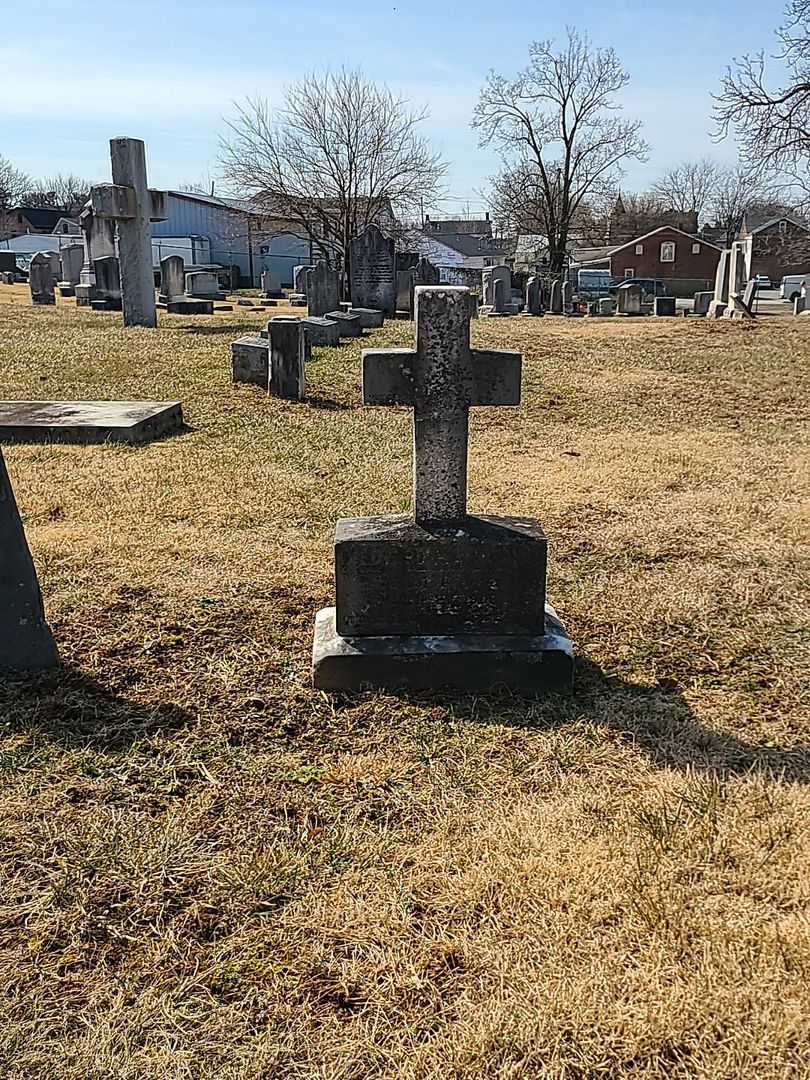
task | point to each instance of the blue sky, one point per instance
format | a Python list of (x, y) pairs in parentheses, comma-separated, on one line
[(168, 72)]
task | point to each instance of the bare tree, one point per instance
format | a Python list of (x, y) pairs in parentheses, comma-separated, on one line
[(63, 192), (689, 187), (13, 184), (341, 154), (772, 126), (556, 127), (736, 191)]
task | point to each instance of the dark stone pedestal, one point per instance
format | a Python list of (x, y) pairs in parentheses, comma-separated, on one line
[(482, 575), (349, 324), (468, 662), (456, 604)]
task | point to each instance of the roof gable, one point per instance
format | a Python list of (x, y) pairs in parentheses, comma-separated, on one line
[(660, 229), (777, 221)]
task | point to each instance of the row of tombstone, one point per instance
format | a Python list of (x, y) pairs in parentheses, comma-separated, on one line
[(435, 598)]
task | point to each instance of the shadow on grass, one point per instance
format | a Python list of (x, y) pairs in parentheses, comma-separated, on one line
[(74, 710), (657, 720), (330, 404), (234, 330)]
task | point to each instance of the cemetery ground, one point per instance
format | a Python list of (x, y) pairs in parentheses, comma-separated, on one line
[(211, 870)]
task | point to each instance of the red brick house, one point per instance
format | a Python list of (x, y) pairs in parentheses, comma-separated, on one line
[(775, 247), (684, 262), (21, 220)]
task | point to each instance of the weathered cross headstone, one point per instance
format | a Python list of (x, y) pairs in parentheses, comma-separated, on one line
[(26, 642), (323, 289), (440, 597), (628, 299), (534, 296), (132, 205), (40, 279), (373, 272)]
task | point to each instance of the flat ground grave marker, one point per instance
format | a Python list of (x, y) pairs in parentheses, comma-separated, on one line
[(132, 422), (440, 597)]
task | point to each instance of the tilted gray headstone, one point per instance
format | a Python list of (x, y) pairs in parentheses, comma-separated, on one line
[(323, 289), (132, 205), (40, 279), (172, 278), (373, 272), (26, 642)]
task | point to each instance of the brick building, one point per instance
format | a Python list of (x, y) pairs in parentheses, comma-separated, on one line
[(683, 262), (776, 247), (23, 220)]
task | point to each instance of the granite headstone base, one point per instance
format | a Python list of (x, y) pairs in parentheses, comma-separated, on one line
[(480, 575), (187, 306), (464, 662), (370, 319), (85, 422)]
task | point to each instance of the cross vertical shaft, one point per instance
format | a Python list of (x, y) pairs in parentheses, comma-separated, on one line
[(443, 391), (128, 158)]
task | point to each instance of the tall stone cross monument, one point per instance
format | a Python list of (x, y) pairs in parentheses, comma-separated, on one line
[(440, 597), (132, 205)]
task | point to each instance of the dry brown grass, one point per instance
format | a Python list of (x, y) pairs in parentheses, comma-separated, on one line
[(211, 871)]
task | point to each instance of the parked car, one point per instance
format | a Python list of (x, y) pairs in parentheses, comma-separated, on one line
[(791, 286), (762, 281), (650, 287)]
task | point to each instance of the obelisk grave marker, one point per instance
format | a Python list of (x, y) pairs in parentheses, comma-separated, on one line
[(129, 202), (440, 597)]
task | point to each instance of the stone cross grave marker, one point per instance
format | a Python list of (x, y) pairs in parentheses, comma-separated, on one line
[(440, 597), (26, 642), (40, 279), (441, 378), (129, 202)]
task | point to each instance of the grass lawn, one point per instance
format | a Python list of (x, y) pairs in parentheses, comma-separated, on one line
[(209, 870)]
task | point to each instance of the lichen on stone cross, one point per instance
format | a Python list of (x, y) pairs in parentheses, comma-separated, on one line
[(133, 205), (441, 379)]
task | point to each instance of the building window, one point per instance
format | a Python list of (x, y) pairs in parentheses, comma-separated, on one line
[(668, 251), (783, 226), (639, 249), (695, 249), (630, 272)]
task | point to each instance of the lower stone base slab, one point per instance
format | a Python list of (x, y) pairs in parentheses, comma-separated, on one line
[(466, 662), (85, 422)]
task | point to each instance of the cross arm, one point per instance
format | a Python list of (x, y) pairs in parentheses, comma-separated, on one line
[(158, 210), (113, 201), (388, 376), (496, 377)]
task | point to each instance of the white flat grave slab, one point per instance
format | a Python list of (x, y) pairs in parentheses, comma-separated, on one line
[(88, 421)]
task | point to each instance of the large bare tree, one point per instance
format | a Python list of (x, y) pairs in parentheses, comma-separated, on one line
[(559, 133), (340, 154), (772, 123), (688, 187)]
